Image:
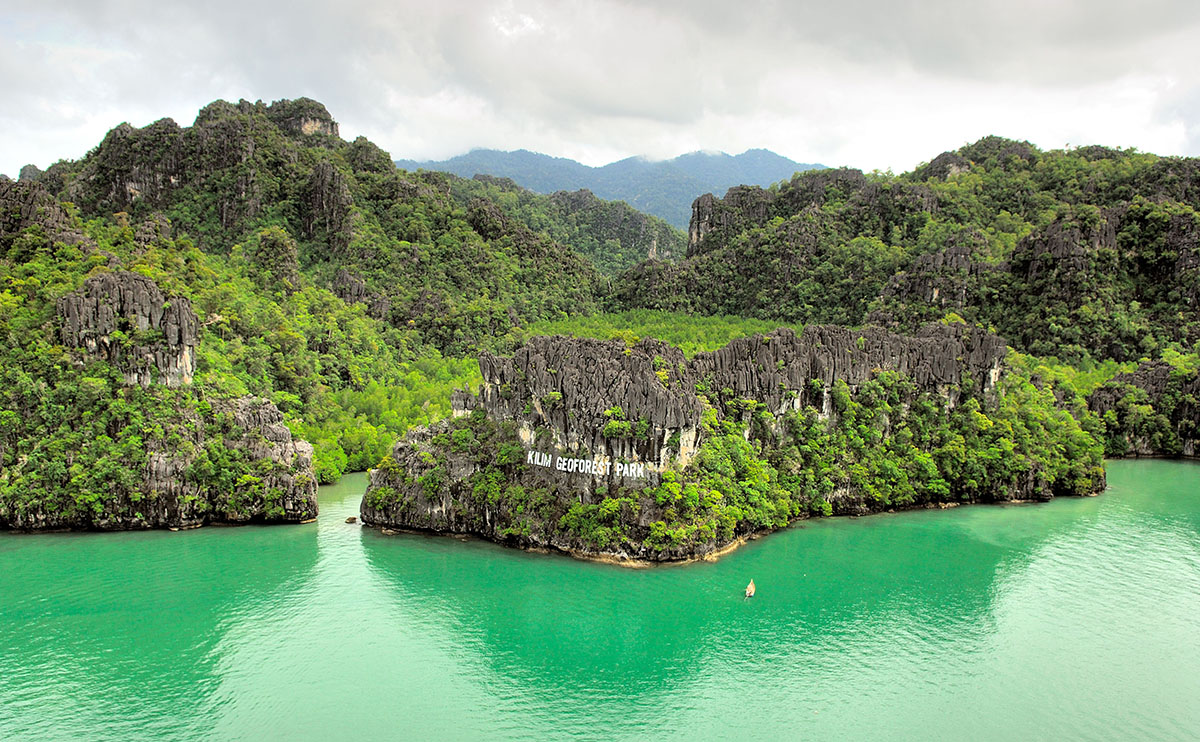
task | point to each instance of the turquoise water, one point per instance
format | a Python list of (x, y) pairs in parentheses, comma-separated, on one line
[(1077, 619)]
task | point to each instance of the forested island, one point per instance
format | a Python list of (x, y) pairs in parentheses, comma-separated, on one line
[(201, 323)]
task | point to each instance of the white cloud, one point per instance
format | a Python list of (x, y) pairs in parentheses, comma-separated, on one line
[(869, 83)]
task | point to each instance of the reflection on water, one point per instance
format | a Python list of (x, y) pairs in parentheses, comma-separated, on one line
[(114, 634), (1072, 620)]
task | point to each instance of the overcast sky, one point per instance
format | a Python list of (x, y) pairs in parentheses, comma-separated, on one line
[(874, 84)]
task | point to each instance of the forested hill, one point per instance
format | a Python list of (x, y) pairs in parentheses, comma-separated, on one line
[(184, 307), (172, 299), (611, 234), (1084, 254), (461, 262), (663, 188)]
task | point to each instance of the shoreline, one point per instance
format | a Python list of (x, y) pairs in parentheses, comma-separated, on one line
[(631, 562)]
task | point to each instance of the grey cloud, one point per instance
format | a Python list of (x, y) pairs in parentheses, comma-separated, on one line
[(618, 72), (1182, 108)]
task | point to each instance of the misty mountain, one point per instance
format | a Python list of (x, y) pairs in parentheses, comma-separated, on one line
[(664, 188)]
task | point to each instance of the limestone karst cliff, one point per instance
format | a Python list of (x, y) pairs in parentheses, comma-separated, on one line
[(124, 319), (600, 448), (1153, 411), (1079, 254), (102, 427)]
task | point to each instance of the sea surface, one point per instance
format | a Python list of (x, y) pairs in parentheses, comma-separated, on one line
[(1073, 620)]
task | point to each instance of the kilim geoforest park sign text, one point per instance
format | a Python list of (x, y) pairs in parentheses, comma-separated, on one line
[(585, 466)]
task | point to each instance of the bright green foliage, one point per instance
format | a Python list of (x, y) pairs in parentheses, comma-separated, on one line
[(1082, 257), (295, 197), (1156, 415), (611, 234), (690, 333), (1078, 254), (347, 383), (887, 445)]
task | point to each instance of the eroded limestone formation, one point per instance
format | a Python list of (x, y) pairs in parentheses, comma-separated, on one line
[(174, 493), (286, 491), (1175, 396), (582, 420), (124, 318), (24, 204)]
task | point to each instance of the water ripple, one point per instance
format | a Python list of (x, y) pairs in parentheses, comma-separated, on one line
[(1074, 620)]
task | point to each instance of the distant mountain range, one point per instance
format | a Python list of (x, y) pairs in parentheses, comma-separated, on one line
[(664, 188)]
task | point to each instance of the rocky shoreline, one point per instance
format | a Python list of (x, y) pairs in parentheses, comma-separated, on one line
[(645, 408)]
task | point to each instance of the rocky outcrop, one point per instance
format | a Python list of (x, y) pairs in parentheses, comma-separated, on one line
[(573, 388), (287, 488), (1062, 257), (124, 318), (948, 280), (350, 288), (135, 166), (636, 233), (778, 369), (1153, 411), (365, 156), (24, 204), (946, 165), (283, 491), (867, 207), (234, 153), (153, 228), (600, 423), (302, 117), (327, 208), (1000, 151), (487, 219), (175, 491), (716, 220)]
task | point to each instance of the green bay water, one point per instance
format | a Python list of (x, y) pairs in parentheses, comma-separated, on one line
[(1076, 619)]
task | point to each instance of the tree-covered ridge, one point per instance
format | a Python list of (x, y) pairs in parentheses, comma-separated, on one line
[(611, 234), (456, 272), (1153, 410), (351, 296), (255, 211), (759, 457), (663, 188), (348, 383), (1082, 253)]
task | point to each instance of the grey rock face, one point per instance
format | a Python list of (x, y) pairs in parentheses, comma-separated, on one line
[(712, 218), (350, 288), (170, 496), (569, 386), (156, 227), (945, 165), (267, 438), (942, 279), (327, 206), (1064, 253), (1173, 394), (776, 367), (124, 318), (24, 204), (223, 153), (601, 401), (302, 117), (716, 221)]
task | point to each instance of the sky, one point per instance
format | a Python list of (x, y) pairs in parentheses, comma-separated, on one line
[(872, 84)]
